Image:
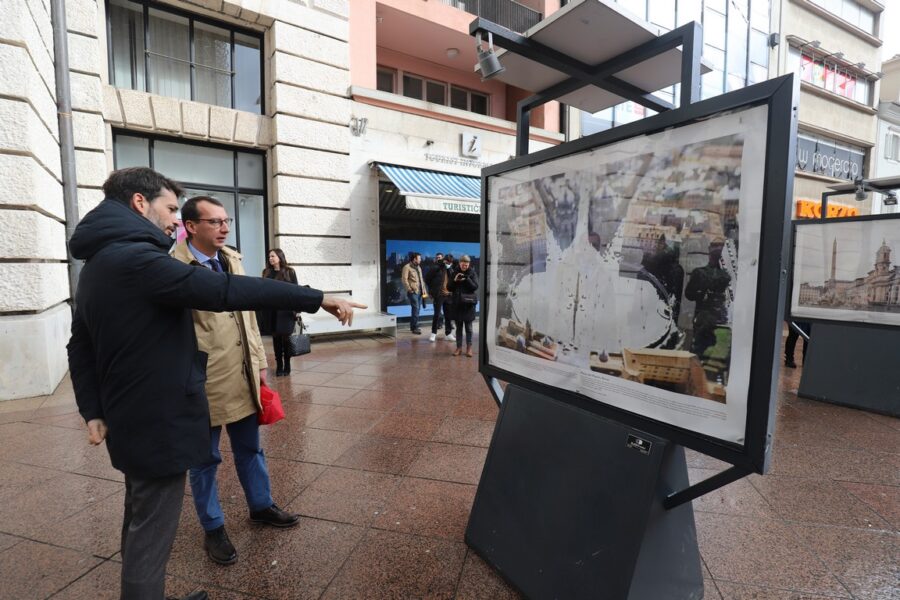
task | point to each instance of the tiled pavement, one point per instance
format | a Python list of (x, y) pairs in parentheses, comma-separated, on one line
[(381, 451)]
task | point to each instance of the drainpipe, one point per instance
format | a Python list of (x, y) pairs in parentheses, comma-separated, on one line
[(66, 137)]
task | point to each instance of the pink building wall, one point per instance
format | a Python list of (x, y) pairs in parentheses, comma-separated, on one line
[(366, 54)]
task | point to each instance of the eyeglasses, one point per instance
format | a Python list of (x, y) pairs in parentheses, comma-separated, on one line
[(217, 222)]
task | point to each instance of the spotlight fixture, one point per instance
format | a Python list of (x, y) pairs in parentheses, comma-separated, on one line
[(860, 189), (488, 63), (860, 65), (890, 198), (877, 75), (836, 56)]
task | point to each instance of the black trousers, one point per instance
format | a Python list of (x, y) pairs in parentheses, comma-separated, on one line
[(442, 314), (790, 343), (282, 357), (152, 511)]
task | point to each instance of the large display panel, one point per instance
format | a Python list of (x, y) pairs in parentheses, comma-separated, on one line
[(846, 270), (397, 253), (640, 276)]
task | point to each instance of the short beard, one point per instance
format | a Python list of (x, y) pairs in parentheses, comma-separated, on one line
[(156, 220)]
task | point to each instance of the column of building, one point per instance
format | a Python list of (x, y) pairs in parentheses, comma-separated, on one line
[(310, 79), (34, 315)]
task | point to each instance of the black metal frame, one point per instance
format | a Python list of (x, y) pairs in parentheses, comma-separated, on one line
[(146, 5), (780, 95), (234, 189), (688, 36), (793, 248)]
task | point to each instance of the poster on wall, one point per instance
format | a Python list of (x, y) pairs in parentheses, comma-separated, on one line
[(847, 271), (397, 254), (628, 273)]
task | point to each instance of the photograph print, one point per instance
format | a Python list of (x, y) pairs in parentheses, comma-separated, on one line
[(632, 267), (847, 271)]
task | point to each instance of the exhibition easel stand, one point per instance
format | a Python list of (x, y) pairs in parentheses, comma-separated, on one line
[(853, 364), (576, 501)]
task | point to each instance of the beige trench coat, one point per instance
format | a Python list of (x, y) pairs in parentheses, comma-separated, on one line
[(235, 349)]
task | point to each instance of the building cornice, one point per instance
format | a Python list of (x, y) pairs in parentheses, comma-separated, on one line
[(448, 114), (831, 96), (806, 128), (839, 22)]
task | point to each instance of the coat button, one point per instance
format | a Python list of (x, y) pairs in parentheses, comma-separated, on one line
[(239, 342), (231, 315)]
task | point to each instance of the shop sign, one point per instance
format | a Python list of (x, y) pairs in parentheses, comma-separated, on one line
[(454, 205), (812, 209), (470, 145), (832, 160)]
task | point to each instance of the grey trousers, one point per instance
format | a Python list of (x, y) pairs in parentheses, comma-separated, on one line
[(152, 512)]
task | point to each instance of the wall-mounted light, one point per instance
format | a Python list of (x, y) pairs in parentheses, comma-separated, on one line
[(774, 39), (358, 126), (488, 63), (836, 56), (452, 52), (860, 189)]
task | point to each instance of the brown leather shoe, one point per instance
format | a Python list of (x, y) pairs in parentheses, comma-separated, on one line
[(469, 351), (457, 352)]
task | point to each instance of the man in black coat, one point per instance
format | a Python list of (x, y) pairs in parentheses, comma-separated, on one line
[(136, 370)]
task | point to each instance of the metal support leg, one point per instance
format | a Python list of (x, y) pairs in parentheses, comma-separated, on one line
[(523, 124)]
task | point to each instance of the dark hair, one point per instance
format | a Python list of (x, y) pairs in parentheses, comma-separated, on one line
[(190, 212), (413, 255), (121, 185), (283, 271)]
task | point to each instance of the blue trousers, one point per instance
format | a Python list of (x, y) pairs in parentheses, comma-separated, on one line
[(415, 303), (250, 463)]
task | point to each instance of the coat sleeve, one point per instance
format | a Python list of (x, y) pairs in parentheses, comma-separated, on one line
[(168, 281), (472, 282), (83, 370)]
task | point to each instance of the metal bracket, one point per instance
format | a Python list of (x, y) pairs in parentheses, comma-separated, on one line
[(688, 36), (706, 486), (494, 386)]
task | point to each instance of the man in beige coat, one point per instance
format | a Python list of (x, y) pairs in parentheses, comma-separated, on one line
[(235, 369), (411, 276)]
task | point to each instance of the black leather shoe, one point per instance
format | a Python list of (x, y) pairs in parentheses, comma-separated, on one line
[(198, 595), (790, 364), (275, 517), (279, 373), (219, 547)]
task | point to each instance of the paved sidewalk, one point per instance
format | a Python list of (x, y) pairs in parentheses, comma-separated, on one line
[(381, 451)]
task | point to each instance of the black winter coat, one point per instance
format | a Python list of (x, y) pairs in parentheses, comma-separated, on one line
[(283, 321), (461, 311), (133, 356)]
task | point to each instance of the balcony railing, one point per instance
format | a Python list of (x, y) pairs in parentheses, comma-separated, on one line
[(508, 13)]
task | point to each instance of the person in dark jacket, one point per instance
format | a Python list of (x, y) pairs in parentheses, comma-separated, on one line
[(437, 280), (136, 371), (463, 285), (282, 321)]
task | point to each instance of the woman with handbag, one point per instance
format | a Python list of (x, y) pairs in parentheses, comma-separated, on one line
[(463, 284), (282, 321)]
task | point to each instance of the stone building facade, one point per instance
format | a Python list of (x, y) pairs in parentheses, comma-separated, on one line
[(169, 84)]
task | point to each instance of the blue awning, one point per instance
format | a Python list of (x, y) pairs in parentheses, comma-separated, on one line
[(433, 184)]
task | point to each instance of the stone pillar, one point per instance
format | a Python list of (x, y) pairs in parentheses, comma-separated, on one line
[(309, 78), (34, 315)]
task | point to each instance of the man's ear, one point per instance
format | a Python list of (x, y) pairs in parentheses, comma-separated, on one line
[(139, 204), (189, 226)]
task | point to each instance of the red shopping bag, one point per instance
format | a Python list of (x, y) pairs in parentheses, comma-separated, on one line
[(272, 411)]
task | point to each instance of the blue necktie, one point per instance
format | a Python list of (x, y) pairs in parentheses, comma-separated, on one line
[(216, 266)]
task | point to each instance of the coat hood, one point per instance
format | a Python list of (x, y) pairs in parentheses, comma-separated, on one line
[(113, 222)]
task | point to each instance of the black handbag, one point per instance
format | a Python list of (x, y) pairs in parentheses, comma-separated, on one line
[(298, 342), (468, 298)]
